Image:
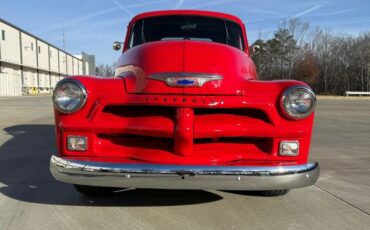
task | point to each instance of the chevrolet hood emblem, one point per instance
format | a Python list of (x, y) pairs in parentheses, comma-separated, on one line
[(185, 79)]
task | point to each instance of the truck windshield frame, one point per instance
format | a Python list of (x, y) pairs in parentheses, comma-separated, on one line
[(186, 27)]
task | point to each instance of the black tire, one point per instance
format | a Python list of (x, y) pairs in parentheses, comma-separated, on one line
[(274, 192), (93, 190)]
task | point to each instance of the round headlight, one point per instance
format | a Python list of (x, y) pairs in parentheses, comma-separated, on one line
[(298, 102), (69, 96)]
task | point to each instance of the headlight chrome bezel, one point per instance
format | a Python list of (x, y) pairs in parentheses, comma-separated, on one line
[(75, 83), (295, 116)]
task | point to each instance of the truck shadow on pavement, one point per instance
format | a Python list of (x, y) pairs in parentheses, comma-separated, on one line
[(25, 176)]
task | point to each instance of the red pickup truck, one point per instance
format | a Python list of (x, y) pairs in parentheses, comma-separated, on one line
[(185, 110)]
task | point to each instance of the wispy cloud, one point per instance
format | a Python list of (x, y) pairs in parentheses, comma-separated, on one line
[(262, 11), (336, 12), (202, 5), (122, 21), (179, 4), (94, 14), (122, 7), (251, 14), (263, 19), (147, 3), (307, 11), (346, 21), (83, 18)]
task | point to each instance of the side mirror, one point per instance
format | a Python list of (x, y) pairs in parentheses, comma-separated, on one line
[(256, 49), (117, 45)]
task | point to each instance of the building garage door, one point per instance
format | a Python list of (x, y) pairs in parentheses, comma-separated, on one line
[(30, 78), (54, 80), (10, 82)]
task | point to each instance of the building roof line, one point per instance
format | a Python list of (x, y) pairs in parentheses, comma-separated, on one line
[(37, 38)]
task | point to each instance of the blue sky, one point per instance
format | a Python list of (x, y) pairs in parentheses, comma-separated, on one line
[(92, 25)]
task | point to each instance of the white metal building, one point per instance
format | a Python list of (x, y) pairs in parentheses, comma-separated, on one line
[(30, 65)]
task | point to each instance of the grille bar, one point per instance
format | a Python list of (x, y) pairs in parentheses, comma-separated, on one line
[(184, 126)]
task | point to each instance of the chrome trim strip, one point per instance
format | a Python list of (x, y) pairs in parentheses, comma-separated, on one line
[(201, 77), (183, 176), (185, 74)]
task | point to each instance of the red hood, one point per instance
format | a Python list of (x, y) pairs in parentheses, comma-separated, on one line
[(139, 63)]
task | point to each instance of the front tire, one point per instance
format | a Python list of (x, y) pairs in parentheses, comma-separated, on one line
[(274, 192), (93, 190)]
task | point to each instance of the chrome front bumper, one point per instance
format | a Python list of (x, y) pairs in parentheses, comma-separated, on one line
[(183, 176)]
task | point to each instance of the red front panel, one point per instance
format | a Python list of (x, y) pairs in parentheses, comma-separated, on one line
[(233, 120), (184, 129)]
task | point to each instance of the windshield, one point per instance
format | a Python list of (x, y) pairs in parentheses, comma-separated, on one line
[(197, 28)]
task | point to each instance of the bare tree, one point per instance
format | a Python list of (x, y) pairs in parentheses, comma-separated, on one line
[(330, 63), (105, 70)]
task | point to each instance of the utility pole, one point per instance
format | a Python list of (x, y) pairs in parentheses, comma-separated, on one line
[(64, 41), (368, 77)]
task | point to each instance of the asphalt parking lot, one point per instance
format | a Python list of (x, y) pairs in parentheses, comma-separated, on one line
[(31, 199)]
